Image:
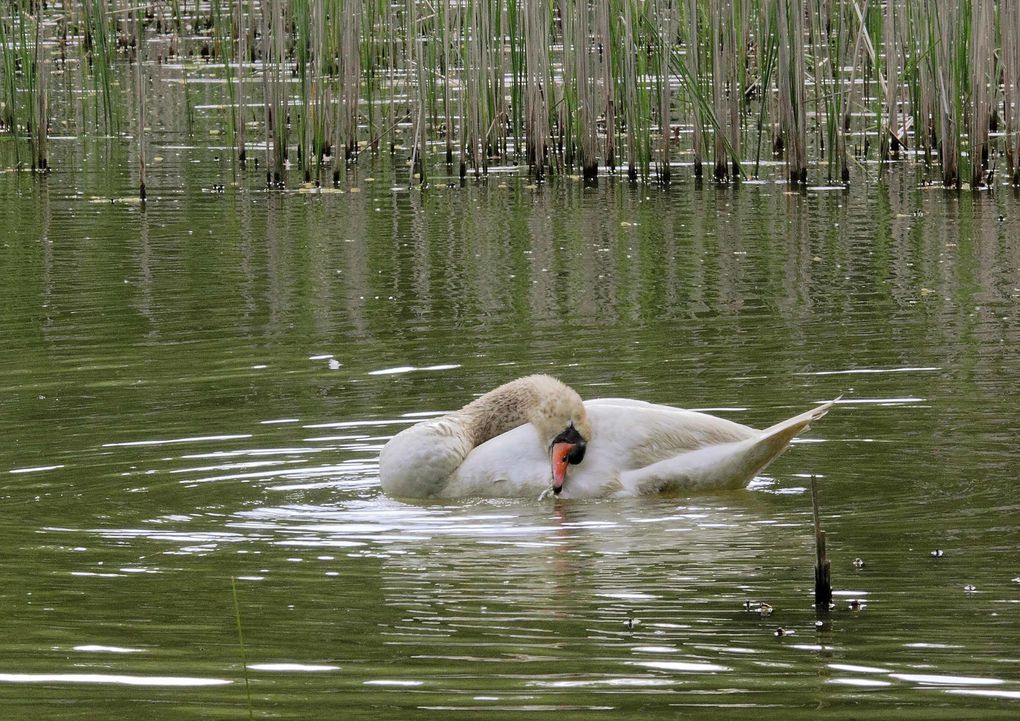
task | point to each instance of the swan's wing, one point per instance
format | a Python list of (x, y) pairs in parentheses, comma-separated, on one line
[(626, 402), (417, 461), (636, 434), (513, 464), (721, 466)]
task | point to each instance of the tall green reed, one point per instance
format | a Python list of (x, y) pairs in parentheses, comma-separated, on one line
[(562, 85)]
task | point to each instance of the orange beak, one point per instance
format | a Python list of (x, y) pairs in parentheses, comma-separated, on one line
[(560, 460)]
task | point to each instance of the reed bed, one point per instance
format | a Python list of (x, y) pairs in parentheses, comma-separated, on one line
[(649, 88), (1010, 28)]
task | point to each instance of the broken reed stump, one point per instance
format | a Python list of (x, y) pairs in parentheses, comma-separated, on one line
[(823, 578)]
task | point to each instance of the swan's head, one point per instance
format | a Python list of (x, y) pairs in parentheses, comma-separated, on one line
[(563, 423), (567, 448)]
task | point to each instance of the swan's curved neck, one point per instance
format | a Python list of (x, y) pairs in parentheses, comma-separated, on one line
[(500, 410)]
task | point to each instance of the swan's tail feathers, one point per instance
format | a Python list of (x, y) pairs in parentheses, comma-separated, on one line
[(775, 439), (723, 466), (792, 426)]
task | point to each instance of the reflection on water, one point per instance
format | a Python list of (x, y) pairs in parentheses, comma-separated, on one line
[(519, 605), (198, 391), (107, 678)]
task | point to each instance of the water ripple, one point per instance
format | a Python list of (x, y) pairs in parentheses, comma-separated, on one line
[(110, 678)]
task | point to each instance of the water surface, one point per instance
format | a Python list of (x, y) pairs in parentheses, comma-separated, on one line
[(198, 390)]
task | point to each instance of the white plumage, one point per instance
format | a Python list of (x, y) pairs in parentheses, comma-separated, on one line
[(634, 448)]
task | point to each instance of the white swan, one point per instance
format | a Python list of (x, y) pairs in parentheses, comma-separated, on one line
[(502, 445)]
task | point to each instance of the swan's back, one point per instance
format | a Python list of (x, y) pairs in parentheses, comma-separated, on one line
[(643, 433), (637, 448)]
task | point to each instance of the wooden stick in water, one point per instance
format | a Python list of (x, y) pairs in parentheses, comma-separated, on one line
[(823, 579)]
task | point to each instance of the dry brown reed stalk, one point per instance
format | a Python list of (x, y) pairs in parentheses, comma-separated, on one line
[(416, 53), (604, 17), (446, 8), (629, 87), (923, 107), (239, 79), (720, 76), (500, 69), (870, 60), (847, 58), (667, 20), (891, 137), (694, 63), (820, 29), (537, 83), (768, 20), (1009, 25), (41, 111), (741, 67), (945, 20), (983, 79), (279, 35), (313, 72), (556, 95), (350, 75), (846, 84), (461, 25), (566, 98), (267, 102), (477, 119), (791, 87), (140, 99), (817, 49), (586, 112), (274, 62), (725, 91)]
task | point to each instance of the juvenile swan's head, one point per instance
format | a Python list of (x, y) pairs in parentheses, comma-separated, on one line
[(563, 425)]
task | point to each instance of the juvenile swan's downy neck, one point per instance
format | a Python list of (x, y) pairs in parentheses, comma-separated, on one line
[(510, 405), (420, 459)]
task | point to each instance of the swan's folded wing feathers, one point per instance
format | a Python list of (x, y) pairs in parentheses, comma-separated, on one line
[(724, 465), (646, 433), (418, 460)]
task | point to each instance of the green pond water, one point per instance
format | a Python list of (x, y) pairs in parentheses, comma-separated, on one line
[(198, 391)]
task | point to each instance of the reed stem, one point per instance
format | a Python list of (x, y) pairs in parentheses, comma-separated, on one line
[(558, 84), (242, 646), (140, 100)]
